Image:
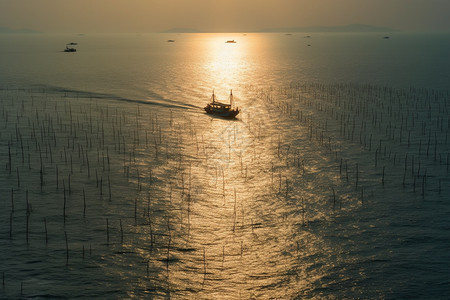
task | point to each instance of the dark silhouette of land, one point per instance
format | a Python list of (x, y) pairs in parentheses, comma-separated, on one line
[(345, 28)]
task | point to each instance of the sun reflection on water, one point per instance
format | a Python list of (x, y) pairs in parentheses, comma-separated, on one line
[(234, 208), (225, 64)]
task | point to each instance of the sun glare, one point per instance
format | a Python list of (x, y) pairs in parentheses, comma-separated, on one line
[(226, 59)]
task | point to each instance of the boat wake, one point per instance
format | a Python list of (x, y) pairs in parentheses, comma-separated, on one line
[(154, 98)]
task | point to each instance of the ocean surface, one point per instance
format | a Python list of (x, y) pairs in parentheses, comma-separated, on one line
[(332, 183)]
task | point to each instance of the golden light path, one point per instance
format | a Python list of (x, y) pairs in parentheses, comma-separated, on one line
[(233, 210)]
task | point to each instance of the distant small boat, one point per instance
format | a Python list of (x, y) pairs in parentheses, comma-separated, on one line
[(220, 109), (386, 37), (171, 41), (230, 41), (70, 49)]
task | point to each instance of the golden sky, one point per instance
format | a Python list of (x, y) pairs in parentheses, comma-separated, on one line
[(220, 15)]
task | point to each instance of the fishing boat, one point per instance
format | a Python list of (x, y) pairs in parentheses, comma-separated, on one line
[(221, 109), (230, 42)]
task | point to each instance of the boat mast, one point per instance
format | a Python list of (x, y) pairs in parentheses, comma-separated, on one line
[(231, 97)]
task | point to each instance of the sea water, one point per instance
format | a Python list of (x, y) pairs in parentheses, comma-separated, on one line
[(332, 182)]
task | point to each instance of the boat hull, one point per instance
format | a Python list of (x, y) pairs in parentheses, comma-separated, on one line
[(231, 114)]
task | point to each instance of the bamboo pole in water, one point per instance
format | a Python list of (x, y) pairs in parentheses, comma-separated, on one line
[(107, 232), (46, 232), (67, 248)]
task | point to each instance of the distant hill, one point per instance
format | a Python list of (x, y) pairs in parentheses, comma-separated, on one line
[(181, 30), (22, 30), (346, 28)]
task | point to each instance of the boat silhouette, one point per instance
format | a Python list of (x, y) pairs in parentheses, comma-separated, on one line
[(70, 49), (221, 109)]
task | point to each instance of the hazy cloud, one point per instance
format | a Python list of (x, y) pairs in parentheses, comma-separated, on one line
[(219, 15)]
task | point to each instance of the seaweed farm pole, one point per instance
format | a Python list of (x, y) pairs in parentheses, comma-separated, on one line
[(135, 212), (67, 249), (346, 170), (101, 186), (57, 180), (10, 225), (151, 233), (406, 162), (362, 195), (64, 207), (204, 265), (9, 157), (28, 215), (448, 155), (107, 232), (12, 200), (223, 255), (334, 199), (84, 203), (169, 243), (287, 188), (303, 211), (41, 176), (234, 213), (70, 190), (121, 231), (18, 178), (109, 188), (46, 234), (87, 162), (424, 181)]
